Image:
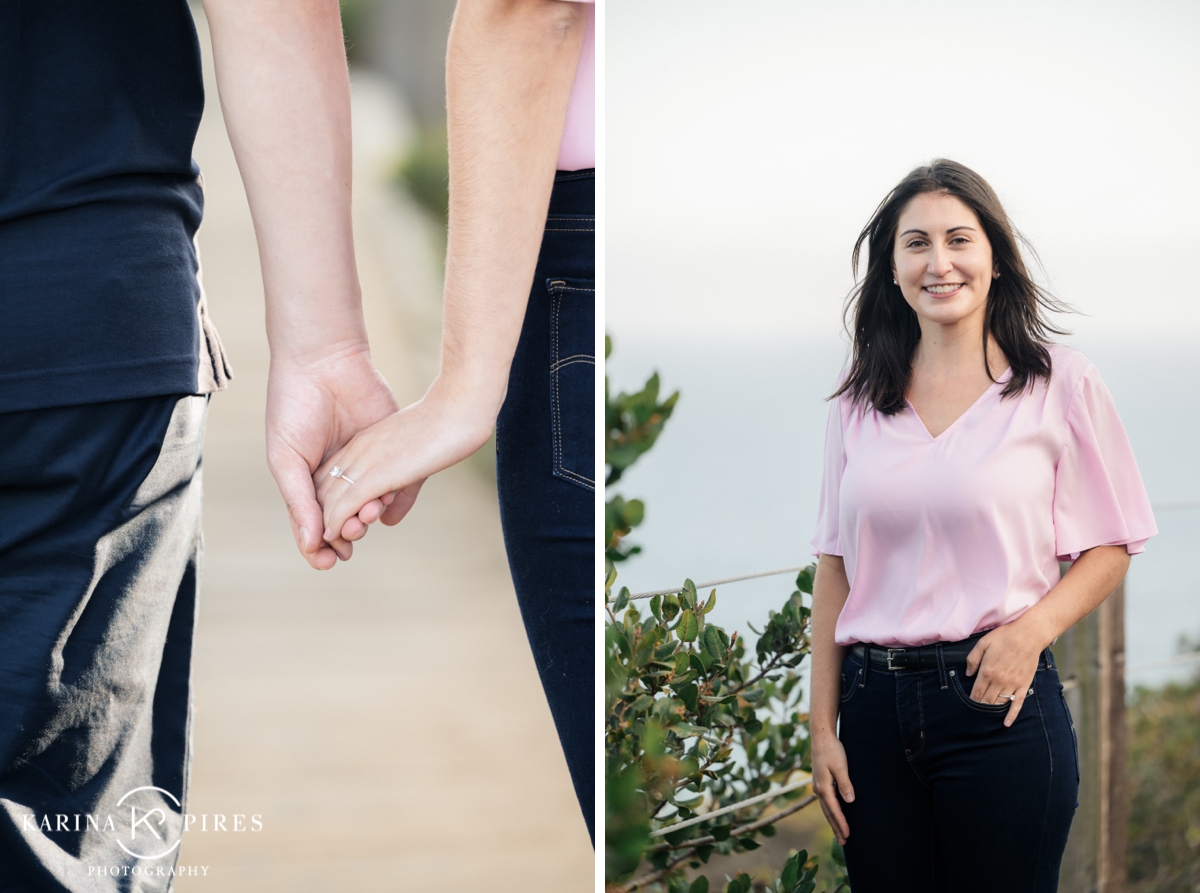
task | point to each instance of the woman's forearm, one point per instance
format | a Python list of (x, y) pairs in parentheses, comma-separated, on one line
[(509, 70), (830, 590), (1091, 580)]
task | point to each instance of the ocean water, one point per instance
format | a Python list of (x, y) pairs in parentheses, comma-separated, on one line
[(732, 485)]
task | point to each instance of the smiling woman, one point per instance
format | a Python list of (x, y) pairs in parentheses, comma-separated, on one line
[(946, 226), (965, 456)]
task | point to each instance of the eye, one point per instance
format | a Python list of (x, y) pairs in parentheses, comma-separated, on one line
[(963, 239), (915, 243)]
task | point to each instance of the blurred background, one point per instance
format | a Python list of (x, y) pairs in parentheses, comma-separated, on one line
[(746, 147), (385, 719)]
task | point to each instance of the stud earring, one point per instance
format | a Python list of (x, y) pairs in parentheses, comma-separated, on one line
[(894, 282)]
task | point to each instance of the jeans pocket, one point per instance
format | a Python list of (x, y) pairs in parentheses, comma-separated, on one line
[(956, 684), (573, 380)]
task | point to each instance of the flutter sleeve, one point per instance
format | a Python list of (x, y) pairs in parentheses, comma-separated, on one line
[(826, 541), (1099, 498)]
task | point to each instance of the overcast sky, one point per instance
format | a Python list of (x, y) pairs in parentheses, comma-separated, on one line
[(747, 143)]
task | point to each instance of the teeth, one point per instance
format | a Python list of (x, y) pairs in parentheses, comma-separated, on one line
[(940, 289)]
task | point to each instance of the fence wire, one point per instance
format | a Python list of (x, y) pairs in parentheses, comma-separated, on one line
[(733, 807)]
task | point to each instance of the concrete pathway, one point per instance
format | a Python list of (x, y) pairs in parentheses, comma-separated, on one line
[(383, 719)]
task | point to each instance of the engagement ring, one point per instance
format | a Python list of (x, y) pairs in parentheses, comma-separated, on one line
[(336, 472)]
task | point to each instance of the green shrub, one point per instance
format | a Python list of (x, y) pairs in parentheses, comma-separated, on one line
[(695, 721), (1164, 780)]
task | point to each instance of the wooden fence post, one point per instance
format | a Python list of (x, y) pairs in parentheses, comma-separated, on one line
[(1091, 666)]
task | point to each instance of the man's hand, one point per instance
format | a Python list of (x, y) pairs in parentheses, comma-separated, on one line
[(314, 407)]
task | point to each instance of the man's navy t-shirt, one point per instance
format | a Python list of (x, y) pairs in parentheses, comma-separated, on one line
[(99, 204)]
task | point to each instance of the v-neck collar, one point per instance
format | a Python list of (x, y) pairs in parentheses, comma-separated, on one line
[(1003, 379)]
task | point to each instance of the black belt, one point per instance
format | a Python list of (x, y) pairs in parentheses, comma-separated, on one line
[(912, 658)]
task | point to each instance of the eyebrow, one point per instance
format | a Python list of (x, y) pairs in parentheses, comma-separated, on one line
[(921, 232)]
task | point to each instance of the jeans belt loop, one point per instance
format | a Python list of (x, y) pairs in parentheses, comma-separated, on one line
[(866, 665), (941, 661)]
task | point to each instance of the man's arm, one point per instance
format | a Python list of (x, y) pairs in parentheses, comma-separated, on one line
[(282, 77), (510, 65)]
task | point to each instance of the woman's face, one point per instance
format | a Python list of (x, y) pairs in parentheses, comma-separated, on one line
[(942, 260)]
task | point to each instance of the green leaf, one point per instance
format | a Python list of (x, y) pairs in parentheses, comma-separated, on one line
[(640, 703), (689, 593), (699, 885), (622, 601), (704, 852), (677, 837), (681, 662), (688, 627), (689, 694), (749, 843), (791, 872), (752, 726), (804, 579), (721, 832), (712, 642), (711, 603)]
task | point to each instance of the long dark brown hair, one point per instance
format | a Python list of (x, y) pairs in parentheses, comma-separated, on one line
[(886, 331)]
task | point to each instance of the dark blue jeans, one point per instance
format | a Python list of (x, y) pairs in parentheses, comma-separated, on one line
[(546, 474), (948, 800), (100, 549)]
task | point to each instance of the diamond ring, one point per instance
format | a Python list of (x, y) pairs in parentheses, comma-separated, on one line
[(337, 472)]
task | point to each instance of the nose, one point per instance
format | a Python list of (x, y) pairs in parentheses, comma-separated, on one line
[(939, 261)]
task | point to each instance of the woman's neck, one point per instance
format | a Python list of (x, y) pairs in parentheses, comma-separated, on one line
[(950, 351)]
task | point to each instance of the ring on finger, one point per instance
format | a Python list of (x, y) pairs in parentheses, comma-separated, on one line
[(1009, 698), (337, 472)]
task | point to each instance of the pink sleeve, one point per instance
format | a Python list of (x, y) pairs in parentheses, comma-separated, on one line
[(1099, 499), (826, 540)]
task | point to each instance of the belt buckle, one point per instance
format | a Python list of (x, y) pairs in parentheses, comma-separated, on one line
[(891, 651)]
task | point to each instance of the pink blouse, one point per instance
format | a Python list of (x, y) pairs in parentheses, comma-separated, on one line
[(577, 151), (946, 536)]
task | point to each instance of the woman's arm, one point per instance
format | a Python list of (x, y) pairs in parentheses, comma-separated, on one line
[(510, 65), (1007, 657), (830, 774)]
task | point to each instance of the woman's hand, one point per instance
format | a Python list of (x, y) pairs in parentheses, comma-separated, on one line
[(1007, 660), (396, 455), (831, 777)]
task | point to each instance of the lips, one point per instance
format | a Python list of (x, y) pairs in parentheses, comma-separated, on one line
[(942, 290)]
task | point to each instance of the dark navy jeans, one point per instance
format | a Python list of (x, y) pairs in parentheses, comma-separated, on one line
[(100, 548), (546, 473), (948, 800)]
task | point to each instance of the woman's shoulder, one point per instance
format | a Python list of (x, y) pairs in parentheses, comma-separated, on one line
[(1068, 367)]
